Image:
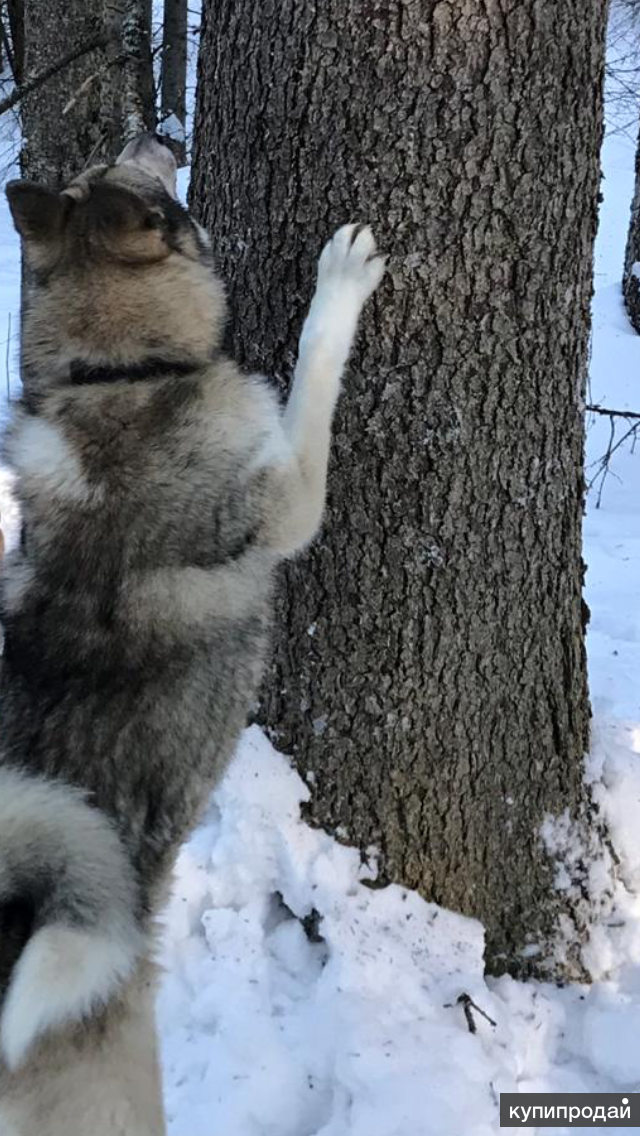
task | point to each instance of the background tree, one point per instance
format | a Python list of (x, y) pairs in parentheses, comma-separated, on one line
[(57, 145), (631, 276), (87, 109), (132, 44), (15, 20), (173, 100), (429, 671), (12, 36)]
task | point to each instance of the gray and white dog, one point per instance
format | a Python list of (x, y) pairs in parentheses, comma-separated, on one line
[(159, 488)]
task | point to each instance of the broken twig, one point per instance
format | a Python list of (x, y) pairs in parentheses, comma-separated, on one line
[(468, 1005)]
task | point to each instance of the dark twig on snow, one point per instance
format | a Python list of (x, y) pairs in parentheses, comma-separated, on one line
[(608, 413), (468, 1005), (97, 43)]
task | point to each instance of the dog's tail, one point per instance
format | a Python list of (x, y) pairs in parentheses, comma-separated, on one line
[(67, 882)]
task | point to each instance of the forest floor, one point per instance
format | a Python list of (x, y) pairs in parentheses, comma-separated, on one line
[(299, 1002)]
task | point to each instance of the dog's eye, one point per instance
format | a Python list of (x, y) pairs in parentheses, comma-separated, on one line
[(154, 219)]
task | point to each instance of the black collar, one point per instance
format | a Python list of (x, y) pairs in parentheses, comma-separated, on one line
[(83, 374)]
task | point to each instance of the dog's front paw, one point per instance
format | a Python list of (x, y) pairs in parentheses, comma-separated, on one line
[(348, 272), (350, 264)]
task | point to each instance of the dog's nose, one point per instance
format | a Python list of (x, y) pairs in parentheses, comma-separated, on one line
[(153, 156), (141, 146)]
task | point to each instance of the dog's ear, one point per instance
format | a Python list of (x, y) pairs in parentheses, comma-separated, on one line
[(38, 213), (124, 225), (116, 210)]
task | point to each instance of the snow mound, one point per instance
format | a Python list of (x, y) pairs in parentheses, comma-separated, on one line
[(299, 1001)]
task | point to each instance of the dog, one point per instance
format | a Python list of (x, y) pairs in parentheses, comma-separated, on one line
[(159, 488)]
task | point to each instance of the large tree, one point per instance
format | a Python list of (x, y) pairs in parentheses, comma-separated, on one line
[(429, 671)]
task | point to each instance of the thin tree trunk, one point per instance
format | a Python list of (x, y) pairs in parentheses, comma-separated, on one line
[(15, 17), (631, 275), (138, 96), (174, 74), (429, 669)]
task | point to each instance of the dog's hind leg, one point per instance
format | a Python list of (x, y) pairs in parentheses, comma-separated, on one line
[(348, 272), (97, 1078)]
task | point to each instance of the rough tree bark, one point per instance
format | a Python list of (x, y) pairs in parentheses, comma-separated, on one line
[(429, 670), (174, 72), (631, 275)]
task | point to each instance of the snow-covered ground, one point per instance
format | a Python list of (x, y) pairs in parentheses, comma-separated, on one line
[(299, 1002)]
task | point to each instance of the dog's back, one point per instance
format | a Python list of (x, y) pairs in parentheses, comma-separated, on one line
[(135, 610)]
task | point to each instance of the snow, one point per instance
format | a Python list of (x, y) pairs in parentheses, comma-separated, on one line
[(172, 128), (297, 999), (266, 1032)]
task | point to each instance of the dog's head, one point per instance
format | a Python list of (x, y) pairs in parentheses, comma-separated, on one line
[(119, 269)]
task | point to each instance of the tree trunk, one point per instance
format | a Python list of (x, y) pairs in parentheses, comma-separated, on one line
[(429, 671), (631, 276), (174, 75)]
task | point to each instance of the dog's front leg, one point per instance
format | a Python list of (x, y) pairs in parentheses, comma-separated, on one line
[(348, 272)]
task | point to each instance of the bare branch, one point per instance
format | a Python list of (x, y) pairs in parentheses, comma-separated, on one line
[(98, 43), (595, 409), (81, 90), (84, 87), (137, 72), (603, 465)]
